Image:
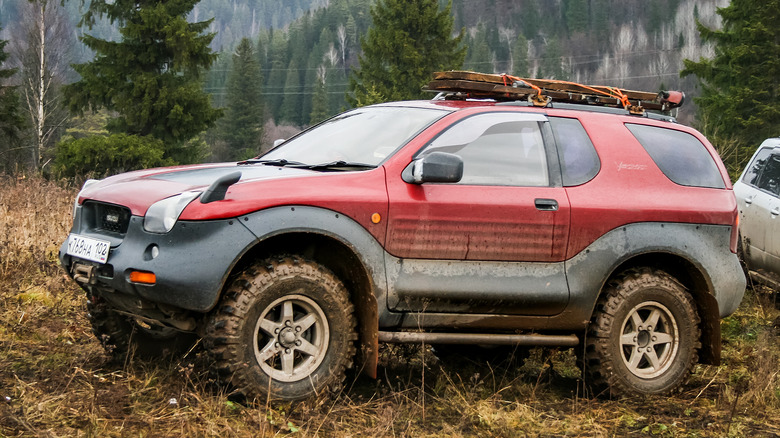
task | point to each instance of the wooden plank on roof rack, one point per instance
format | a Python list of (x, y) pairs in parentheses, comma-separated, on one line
[(545, 84), (510, 87), (482, 89)]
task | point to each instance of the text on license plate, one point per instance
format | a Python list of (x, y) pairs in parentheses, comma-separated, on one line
[(88, 248)]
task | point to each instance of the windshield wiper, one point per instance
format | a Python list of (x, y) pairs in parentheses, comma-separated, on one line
[(281, 162), (335, 165)]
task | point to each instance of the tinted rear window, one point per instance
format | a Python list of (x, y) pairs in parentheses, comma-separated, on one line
[(679, 155), (579, 161)]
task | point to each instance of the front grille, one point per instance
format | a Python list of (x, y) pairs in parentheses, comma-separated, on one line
[(108, 217)]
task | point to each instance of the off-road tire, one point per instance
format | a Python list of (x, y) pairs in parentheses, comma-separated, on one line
[(284, 330), (123, 337), (644, 336)]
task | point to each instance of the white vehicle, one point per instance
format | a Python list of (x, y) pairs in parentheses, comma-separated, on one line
[(758, 200)]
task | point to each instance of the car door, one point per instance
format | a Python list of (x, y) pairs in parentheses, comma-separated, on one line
[(493, 242), (757, 199), (762, 215)]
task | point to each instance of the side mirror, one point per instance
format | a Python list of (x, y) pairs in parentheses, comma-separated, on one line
[(435, 167), (278, 141)]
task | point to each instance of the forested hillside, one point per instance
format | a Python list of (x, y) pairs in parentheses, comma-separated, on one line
[(306, 49), (625, 43)]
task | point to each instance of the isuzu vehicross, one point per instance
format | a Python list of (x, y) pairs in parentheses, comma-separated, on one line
[(546, 215)]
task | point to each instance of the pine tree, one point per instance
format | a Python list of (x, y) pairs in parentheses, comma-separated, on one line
[(577, 16), (292, 102), (152, 76), (551, 66), (319, 105), (740, 92), (479, 56), (11, 120), (409, 40), (242, 126), (277, 75), (520, 49)]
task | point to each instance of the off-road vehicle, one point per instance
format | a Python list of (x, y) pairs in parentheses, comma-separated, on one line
[(503, 211), (758, 200)]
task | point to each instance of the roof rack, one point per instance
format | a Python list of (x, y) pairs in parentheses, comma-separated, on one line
[(541, 92)]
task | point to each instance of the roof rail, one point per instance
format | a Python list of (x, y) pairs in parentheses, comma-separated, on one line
[(541, 92)]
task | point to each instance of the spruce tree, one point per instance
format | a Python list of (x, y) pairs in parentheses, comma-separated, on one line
[(277, 75), (409, 40), (577, 16), (740, 100), (292, 101), (479, 56), (520, 56), (11, 120), (319, 105), (151, 77), (242, 126)]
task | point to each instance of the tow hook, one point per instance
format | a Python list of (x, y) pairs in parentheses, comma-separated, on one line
[(84, 274)]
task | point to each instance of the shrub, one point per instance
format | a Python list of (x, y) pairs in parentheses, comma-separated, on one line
[(99, 156)]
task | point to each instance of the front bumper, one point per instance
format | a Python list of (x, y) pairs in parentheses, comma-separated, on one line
[(191, 262)]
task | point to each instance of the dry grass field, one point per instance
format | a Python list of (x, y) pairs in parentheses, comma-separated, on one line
[(55, 379)]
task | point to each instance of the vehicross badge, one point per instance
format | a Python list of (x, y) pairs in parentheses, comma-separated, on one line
[(88, 248)]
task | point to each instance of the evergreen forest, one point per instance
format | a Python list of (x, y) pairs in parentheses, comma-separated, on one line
[(278, 66)]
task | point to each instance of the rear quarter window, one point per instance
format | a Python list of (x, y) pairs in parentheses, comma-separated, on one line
[(679, 155), (578, 158)]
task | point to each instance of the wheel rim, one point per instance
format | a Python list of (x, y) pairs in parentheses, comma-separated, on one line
[(649, 340), (291, 338)]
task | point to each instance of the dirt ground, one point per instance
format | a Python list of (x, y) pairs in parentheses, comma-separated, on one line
[(56, 380)]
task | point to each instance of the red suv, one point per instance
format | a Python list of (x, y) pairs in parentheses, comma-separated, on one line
[(448, 221)]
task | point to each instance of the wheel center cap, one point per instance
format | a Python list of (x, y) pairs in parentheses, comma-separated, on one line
[(643, 338), (287, 337)]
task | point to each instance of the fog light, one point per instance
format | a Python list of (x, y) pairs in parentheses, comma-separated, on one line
[(143, 277), (151, 252)]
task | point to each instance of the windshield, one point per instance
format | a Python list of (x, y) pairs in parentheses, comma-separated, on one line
[(365, 135)]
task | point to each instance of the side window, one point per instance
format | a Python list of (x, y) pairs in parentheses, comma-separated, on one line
[(679, 155), (504, 149), (754, 169), (579, 160), (769, 180)]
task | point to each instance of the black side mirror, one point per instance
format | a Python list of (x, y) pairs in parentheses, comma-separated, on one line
[(435, 167)]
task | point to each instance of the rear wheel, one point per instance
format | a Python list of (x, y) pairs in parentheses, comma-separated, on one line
[(284, 330), (643, 337)]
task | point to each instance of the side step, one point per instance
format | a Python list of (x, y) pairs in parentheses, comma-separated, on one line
[(770, 280), (480, 338)]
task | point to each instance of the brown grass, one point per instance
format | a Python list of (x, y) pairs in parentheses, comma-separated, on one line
[(55, 379)]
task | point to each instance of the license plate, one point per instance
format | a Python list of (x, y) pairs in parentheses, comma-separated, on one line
[(88, 248)]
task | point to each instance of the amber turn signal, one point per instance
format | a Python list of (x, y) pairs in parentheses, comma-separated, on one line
[(143, 277), (375, 218)]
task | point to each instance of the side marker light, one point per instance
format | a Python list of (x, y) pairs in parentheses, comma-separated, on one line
[(143, 277), (376, 218)]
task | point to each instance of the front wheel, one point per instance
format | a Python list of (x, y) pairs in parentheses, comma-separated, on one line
[(643, 337), (285, 330)]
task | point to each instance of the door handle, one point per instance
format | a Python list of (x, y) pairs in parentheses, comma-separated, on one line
[(546, 204), (749, 200), (775, 211)]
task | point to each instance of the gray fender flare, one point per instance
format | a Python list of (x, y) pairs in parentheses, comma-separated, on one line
[(277, 221)]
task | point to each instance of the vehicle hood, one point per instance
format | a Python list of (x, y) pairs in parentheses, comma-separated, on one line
[(140, 189)]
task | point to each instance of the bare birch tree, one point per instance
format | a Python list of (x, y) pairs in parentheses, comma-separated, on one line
[(41, 51)]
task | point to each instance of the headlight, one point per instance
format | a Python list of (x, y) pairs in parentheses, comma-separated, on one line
[(87, 183), (162, 215)]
